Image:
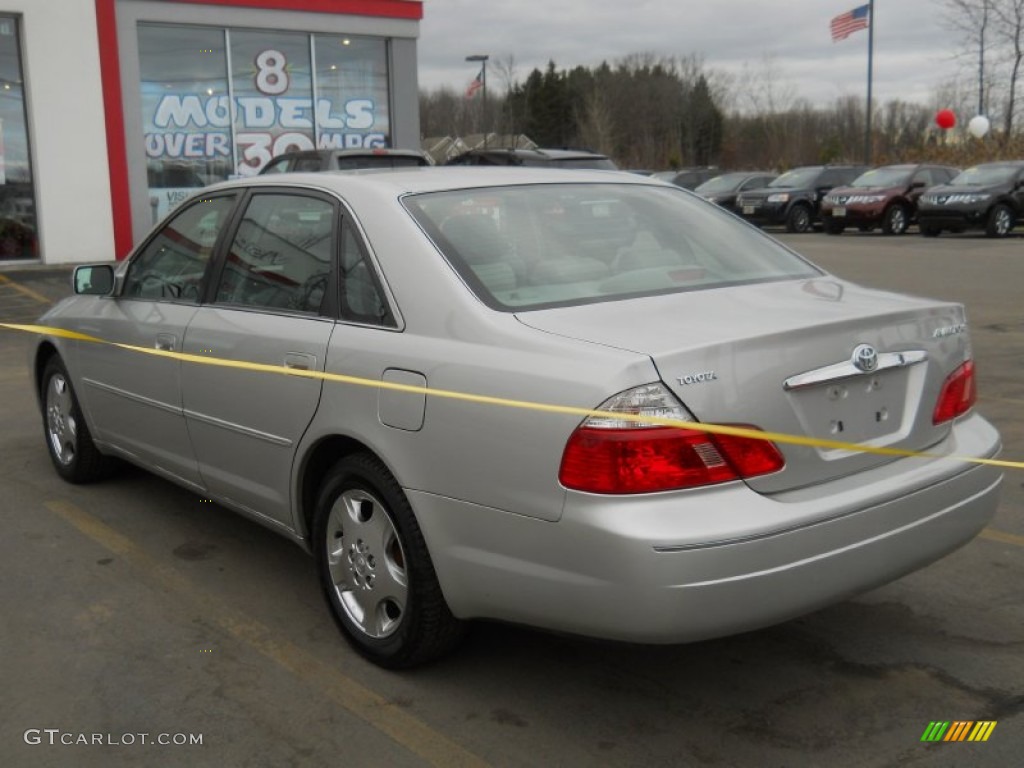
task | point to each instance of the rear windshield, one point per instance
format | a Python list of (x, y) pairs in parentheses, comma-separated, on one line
[(537, 246)]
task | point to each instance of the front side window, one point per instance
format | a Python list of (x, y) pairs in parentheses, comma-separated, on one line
[(172, 265), (280, 257), (535, 246)]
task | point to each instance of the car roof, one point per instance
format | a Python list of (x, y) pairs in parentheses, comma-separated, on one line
[(436, 178)]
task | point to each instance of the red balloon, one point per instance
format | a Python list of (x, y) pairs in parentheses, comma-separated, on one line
[(945, 119)]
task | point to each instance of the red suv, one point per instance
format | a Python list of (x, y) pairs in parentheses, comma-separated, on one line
[(883, 197)]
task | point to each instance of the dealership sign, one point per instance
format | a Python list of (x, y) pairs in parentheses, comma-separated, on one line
[(287, 124), (189, 126)]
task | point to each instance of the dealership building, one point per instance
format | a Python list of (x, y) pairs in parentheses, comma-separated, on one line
[(113, 111)]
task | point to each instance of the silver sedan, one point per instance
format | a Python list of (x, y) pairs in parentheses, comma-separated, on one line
[(584, 401)]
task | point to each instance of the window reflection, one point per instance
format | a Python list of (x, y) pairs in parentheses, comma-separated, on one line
[(186, 112)]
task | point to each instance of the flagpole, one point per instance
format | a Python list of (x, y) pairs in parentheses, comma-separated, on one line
[(871, 46)]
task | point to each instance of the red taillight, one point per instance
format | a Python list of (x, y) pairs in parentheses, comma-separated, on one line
[(645, 460), (958, 394)]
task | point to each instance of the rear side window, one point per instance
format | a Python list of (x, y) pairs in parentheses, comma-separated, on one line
[(173, 263), (280, 257), (362, 299)]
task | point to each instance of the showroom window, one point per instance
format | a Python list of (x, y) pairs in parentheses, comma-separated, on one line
[(18, 236), (218, 103)]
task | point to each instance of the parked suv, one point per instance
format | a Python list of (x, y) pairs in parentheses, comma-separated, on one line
[(345, 160), (883, 197), (546, 158), (988, 197), (794, 199)]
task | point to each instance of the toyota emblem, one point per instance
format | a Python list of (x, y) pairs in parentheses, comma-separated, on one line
[(865, 358)]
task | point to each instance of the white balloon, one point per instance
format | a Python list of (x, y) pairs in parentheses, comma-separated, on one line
[(978, 126)]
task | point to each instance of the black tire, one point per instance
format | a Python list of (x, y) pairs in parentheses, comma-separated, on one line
[(375, 569), (927, 230), (1001, 221), (799, 219), (833, 227), (895, 220), (71, 449)]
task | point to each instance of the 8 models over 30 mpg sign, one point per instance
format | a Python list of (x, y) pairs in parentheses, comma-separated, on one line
[(265, 117)]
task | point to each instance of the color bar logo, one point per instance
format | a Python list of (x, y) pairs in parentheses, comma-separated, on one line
[(959, 730)]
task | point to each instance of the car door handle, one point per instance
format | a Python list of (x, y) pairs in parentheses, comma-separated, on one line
[(166, 342), (300, 361)]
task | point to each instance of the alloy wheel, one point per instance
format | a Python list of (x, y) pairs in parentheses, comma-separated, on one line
[(367, 563)]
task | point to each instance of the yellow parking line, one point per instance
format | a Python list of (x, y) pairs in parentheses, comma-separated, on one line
[(387, 717), (1002, 536), (24, 291)]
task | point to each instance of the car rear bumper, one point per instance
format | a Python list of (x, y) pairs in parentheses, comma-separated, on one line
[(669, 568)]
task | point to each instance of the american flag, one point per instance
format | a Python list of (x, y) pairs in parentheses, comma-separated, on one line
[(845, 24), (476, 85)]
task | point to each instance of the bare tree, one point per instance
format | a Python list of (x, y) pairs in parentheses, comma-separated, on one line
[(1009, 31), (970, 19), (763, 92), (596, 123)]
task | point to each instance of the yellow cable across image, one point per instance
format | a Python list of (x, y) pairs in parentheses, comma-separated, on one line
[(714, 429)]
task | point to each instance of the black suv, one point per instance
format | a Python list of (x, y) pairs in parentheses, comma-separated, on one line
[(794, 199), (546, 158), (345, 160), (988, 197)]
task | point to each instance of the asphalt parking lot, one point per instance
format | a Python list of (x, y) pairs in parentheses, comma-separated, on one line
[(134, 607)]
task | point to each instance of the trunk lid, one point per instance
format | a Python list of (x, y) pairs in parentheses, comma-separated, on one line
[(780, 356)]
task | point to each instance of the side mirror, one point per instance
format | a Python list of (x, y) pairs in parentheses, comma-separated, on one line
[(93, 280), (917, 185)]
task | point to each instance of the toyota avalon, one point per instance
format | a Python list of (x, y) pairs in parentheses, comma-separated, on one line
[(579, 400)]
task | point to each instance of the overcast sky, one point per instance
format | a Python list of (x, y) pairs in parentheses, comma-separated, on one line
[(914, 50)]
